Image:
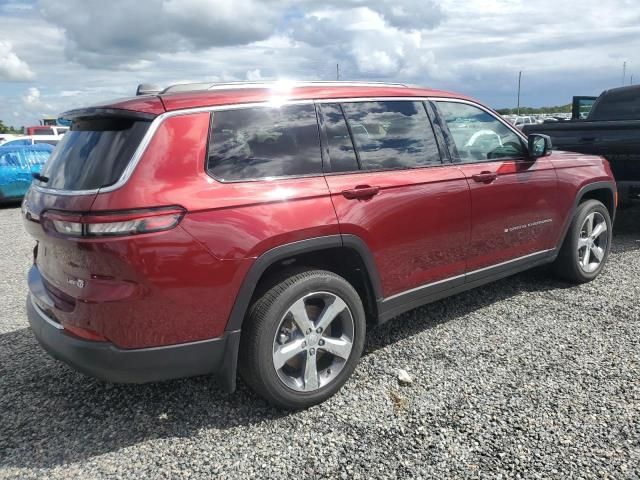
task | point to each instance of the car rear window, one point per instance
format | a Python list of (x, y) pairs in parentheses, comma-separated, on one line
[(94, 153), (254, 143), (623, 104)]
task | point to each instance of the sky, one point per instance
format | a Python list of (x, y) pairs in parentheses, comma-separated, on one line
[(61, 54)]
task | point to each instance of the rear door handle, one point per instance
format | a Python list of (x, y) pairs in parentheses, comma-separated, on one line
[(484, 177), (360, 192)]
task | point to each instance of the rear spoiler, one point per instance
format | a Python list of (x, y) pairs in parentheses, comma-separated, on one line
[(101, 112)]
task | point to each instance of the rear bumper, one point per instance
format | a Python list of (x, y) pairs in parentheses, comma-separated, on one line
[(105, 361)]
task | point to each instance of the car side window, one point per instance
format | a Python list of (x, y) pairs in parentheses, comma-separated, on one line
[(392, 134), (342, 155), (478, 135), (254, 143)]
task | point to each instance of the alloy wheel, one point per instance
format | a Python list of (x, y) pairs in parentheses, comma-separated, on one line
[(313, 341), (593, 242)]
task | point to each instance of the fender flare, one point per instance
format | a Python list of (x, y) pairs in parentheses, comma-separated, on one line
[(602, 185), (227, 375), (282, 252)]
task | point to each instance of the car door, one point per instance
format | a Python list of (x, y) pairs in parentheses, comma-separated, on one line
[(394, 192), (514, 212)]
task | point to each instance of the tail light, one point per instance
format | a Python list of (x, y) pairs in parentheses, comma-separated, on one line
[(112, 224)]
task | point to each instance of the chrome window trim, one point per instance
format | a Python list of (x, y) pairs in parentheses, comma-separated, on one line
[(274, 102)]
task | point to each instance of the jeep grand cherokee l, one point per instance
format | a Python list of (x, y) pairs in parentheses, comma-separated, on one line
[(263, 227)]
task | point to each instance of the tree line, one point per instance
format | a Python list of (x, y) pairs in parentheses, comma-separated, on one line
[(533, 111), (6, 129)]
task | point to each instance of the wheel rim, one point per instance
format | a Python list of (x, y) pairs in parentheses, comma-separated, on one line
[(313, 341), (593, 242)]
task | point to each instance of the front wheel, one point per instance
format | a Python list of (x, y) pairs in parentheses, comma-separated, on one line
[(303, 338), (586, 246)]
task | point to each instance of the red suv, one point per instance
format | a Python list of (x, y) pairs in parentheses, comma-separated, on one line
[(265, 226)]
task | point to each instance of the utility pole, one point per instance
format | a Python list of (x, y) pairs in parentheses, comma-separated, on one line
[(631, 83), (519, 85), (624, 73), (337, 71)]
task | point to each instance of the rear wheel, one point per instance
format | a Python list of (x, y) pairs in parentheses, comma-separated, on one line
[(586, 246), (303, 338)]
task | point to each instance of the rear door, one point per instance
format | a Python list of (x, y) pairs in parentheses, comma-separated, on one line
[(514, 211), (395, 193)]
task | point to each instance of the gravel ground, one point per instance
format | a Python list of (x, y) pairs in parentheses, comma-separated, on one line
[(523, 378)]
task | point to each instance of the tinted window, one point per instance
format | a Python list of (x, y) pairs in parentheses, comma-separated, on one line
[(622, 104), (341, 152), (392, 134), (253, 143), (478, 135), (94, 153)]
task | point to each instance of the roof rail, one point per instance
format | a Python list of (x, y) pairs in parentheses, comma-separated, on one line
[(190, 87)]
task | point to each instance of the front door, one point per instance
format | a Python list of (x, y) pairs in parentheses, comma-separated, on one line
[(394, 192), (514, 211)]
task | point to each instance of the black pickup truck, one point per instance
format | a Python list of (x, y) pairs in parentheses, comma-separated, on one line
[(612, 129)]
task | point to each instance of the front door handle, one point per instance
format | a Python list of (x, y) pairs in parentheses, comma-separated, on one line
[(360, 192), (484, 177)]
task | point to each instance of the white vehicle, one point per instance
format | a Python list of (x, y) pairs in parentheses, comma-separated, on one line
[(33, 140), (520, 122)]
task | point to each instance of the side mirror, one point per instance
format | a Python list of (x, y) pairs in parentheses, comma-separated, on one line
[(539, 145)]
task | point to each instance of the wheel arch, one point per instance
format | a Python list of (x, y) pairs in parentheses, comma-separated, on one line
[(340, 252), (300, 251), (604, 191)]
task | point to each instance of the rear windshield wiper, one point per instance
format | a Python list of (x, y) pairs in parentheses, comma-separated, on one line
[(40, 178)]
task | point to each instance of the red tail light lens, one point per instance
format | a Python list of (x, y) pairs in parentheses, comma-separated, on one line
[(112, 224)]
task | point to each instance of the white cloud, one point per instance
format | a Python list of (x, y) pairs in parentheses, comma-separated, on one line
[(84, 53), (12, 67)]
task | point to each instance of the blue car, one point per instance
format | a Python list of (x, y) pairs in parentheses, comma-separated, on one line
[(17, 163)]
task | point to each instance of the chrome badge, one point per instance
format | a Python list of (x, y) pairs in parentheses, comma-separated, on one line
[(78, 282)]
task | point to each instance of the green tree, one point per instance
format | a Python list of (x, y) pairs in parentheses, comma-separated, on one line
[(6, 129), (530, 111)]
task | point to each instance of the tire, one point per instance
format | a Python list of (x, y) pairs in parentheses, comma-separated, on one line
[(570, 264), (272, 332)]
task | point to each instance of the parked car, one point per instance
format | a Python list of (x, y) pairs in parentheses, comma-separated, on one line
[(33, 140), (612, 129), (56, 130), (265, 227), (17, 164), (520, 122)]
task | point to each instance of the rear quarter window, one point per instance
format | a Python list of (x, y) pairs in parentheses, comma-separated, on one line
[(264, 142)]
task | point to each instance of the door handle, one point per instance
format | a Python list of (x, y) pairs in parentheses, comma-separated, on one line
[(484, 177), (360, 192)]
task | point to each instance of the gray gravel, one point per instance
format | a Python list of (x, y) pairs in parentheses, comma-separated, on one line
[(526, 378)]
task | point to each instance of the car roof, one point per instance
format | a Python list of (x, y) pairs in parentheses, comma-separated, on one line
[(202, 95), (36, 137), (264, 93)]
